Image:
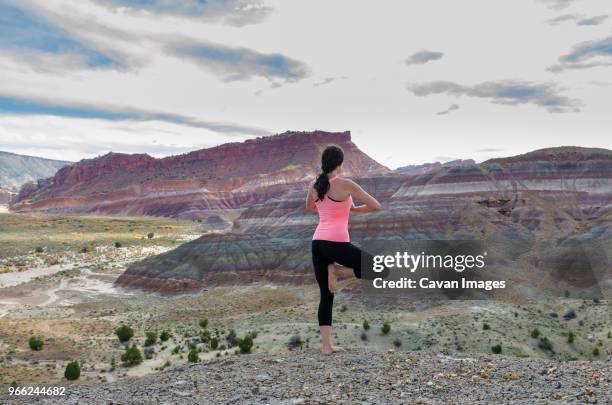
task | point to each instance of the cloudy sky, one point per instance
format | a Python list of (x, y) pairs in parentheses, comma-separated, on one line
[(414, 81)]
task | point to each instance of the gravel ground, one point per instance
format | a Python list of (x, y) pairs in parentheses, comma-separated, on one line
[(355, 377)]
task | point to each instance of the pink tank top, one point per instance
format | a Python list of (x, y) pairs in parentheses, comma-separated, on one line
[(333, 219)]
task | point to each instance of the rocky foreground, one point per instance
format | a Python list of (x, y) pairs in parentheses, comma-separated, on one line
[(357, 377)]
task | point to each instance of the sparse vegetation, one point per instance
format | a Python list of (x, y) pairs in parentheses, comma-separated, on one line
[(386, 328), (535, 333), (397, 342), (295, 342), (36, 343), (118, 245), (150, 235), (164, 336), (124, 333), (204, 323), (150, 338), (39, 249), (364, 336), (571, 336), (245, 344), (366, 325), (595, 351), (132, 356), (193, 356), (545, 344), (485, 326), (232, 338), (214, 343), (497, 349), (73, 371)]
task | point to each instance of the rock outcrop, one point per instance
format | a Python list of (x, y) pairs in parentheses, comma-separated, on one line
[(537, 212)]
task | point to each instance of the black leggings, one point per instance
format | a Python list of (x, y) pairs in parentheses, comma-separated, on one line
[(323, 254)]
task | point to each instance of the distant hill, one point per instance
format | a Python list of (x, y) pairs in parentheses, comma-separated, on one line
[(193, 185), (16, 170), (430, 167)]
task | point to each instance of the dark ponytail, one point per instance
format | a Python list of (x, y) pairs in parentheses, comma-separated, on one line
[(331, 158)]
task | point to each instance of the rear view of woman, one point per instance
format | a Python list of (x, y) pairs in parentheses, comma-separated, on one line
[(332, 197)]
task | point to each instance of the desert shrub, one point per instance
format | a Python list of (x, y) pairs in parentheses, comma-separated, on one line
[(84, 249), (570, 314), (150, 235), (545, 344), (397, 342), (118, 245), (553, 315), (245, 344), (39, 249), (73, 371), (497, 349), (609, 335), (596, 351), (205, 336), (364, 336), (164, 336), (343, 308), (214, 343), (132, 356), (124, 333), (366, 325), (295, 342), (176, 349), (570, 337), (386, 328), (204, 323), (535, 333), (36, 343), (194, 356), (232, 338), (485, 326), (151, 338)]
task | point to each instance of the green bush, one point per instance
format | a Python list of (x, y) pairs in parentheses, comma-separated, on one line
[(386, 328), (535, 333), (596, 351), (151, 338), (366, 325), (232, 338), (245, 344), (497, 349), (73, 371), (84, 249), (205, 336), (193, 356), (150, 235), (124, 333), (164, 336), (204, 323), (117, 245), (36, 343), (570, 337), (132, 356), (485, 326), (39, 249), (609, 335), (295, 341), (176, 349), (214, 343), (397, 342)]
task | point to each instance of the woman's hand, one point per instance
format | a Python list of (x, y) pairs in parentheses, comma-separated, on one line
[(361, 208), (370, 203), (310, 200)]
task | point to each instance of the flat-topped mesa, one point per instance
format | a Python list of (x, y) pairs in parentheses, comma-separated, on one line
[(192, 185)]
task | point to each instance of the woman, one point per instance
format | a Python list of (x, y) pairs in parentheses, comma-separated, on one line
[(332, 197)]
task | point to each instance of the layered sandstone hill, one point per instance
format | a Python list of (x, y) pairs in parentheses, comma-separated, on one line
[(193, 185), (547, 213)]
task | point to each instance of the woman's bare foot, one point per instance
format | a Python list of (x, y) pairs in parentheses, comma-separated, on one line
[(332, 277), (333, 349)]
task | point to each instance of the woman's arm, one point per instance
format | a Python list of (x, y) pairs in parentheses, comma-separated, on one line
[(369, 203), (310, 201)]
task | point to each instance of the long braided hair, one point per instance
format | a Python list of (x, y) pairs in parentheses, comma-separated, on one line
[(332, 157)]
